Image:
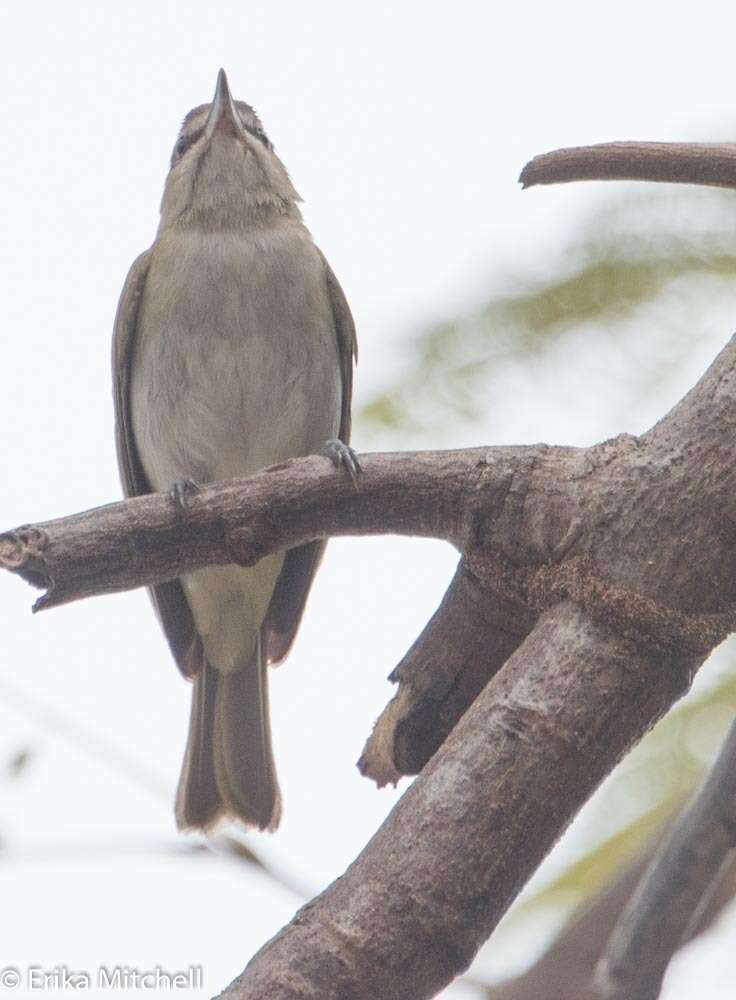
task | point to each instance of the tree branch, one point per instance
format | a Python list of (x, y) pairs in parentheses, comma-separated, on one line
[(582, 688), (411, 911), (148, 540), (709, 163), (535, 524), (467, 640), (675, 889)]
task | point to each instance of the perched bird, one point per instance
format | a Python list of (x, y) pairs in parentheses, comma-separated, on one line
[(233, 349)]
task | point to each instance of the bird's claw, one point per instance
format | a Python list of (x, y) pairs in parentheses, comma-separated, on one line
[(342, 455), (181, 490)]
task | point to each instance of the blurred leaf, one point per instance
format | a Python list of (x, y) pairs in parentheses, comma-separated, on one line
[(18, 763), (625, 257)]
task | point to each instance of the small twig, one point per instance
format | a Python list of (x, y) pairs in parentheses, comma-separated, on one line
[(709, 163), (675, 889)]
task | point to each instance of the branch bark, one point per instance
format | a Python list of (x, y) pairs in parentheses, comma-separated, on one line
[(707, 163), (467, 640), (431, 885), (675, 890)]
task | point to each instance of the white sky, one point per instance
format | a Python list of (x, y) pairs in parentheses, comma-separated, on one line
[(404, 127)]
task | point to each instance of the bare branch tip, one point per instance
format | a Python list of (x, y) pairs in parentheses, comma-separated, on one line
[(524, 177), (44, 602), (377, 767)]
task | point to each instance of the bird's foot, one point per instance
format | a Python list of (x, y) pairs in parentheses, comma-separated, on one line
[(342, 455), (181, 490)]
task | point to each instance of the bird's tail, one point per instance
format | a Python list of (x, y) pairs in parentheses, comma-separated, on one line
[(228, 767)]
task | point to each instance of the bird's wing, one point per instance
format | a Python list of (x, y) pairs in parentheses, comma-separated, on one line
[(292, 588), (168, 598), (347, 345)]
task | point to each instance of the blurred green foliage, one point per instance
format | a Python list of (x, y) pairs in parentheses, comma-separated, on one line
[(624, 257)]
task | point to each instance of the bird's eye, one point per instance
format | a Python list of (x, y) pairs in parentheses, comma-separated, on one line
[(258, 132), (183, 143)]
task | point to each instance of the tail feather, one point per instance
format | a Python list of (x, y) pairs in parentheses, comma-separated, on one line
[(244, 765), (228, 767), (198, 800)]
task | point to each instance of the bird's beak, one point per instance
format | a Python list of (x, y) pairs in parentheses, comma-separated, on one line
[(223, 113)]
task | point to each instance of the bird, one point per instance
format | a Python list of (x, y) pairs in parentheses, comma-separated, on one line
[(233, 349)]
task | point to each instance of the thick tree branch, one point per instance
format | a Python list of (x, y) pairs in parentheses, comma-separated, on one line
[(411, 911), (708, 163), (675, 889), (582, 688), (435, 879), (653, 519)]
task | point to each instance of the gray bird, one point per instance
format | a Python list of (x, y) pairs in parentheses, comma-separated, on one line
[(233, 349)]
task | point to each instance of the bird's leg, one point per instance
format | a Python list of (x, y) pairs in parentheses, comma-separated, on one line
[(343, 455), (181, 490)]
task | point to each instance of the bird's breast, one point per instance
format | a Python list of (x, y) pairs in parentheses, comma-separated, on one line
[(236, 360)]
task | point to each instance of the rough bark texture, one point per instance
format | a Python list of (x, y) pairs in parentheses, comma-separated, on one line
[(431, 885), (623, 554)]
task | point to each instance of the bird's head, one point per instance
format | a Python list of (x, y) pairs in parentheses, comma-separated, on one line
[(223, 168)]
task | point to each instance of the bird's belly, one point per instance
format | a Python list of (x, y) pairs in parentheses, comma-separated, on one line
[(227, 420)]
